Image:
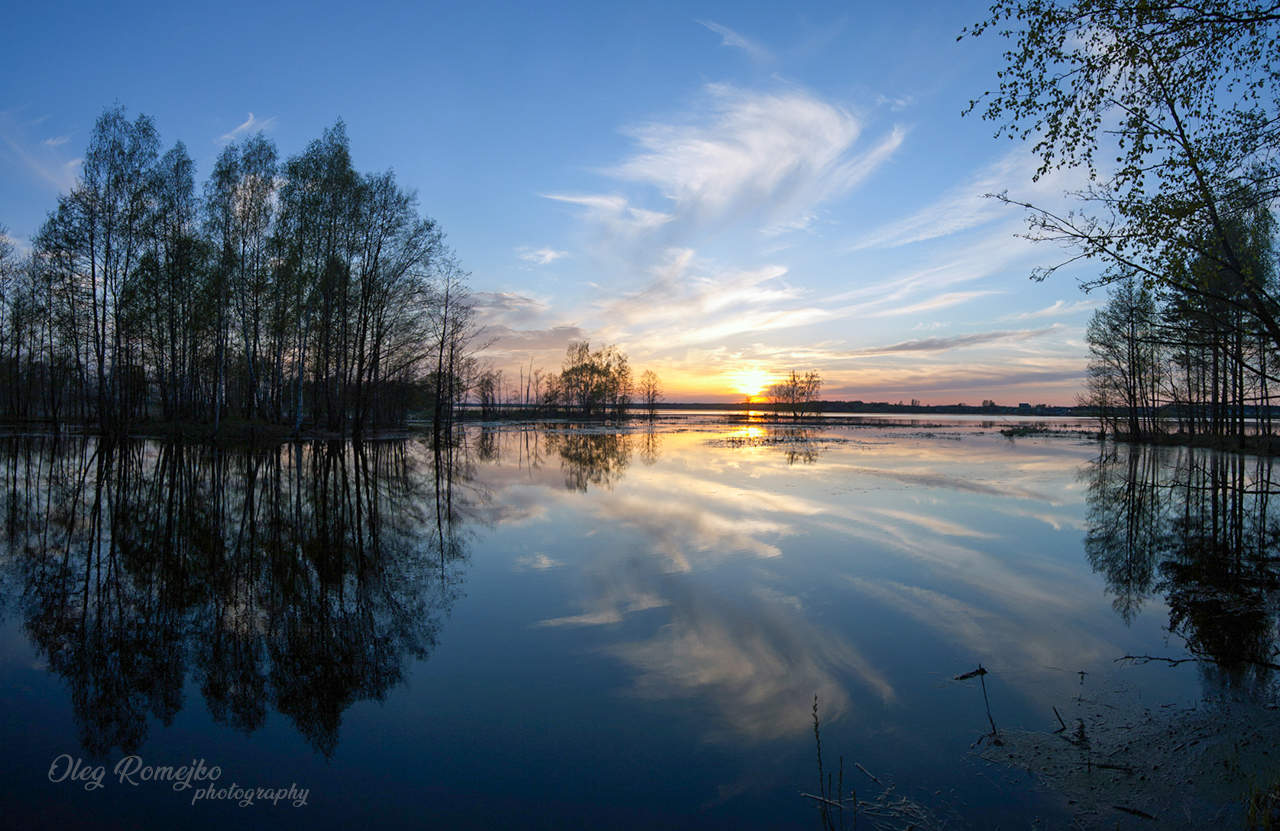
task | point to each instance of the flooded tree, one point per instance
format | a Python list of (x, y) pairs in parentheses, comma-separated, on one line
[(592, 384), (1192, 357), (797, 394), (650, 390), (1124, 366), (301, 293)]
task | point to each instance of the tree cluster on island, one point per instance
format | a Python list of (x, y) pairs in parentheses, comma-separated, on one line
[(590, 384), (298, 293), (796, 394)]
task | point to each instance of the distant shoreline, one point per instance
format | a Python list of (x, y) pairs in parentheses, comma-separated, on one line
[(253, 434)]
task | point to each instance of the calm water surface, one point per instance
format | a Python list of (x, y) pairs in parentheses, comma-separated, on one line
[(558, 626)]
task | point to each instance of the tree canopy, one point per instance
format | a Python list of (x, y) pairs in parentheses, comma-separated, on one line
[(1172, 108), (295, 292)]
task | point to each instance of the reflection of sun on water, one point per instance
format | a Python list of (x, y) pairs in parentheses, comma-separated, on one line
[(750, 382)]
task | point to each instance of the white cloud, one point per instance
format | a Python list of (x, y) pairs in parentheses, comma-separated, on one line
[(250, 123), (40, 161), (967, 205), (800, 223), (21, 246), (741, 156), (1059, 308), (941, 301), (540, 256), (751, 152), (732, 38), (896, 104), (941, 344), (56, 141), (508, 307), (689, 302), (614, 213)]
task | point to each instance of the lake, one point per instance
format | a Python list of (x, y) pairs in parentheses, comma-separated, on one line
[(557, 625)]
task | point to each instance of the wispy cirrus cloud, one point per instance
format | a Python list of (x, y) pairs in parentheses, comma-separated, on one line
[(1059, 308), (38, 158), (968, 204), (56, 141), (540, 256), (783, 152), (733, 39), (508, 306), (689, 302), (21, 246), (955, 342), (968, 382), (932, 304), (548, 345), (613, 213), (739, 156), (896, 103), (250, 123)]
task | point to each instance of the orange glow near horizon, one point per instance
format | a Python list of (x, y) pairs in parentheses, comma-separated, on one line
[(750, 382)]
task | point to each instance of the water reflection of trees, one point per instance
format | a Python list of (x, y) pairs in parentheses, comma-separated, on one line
[(799, 444), (590, 457), (298, 578), (1194, 526)]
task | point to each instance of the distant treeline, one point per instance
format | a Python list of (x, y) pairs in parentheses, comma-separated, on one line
[(298, 293), (818, 407)]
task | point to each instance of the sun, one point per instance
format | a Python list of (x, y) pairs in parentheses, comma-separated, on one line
[(750, 382)]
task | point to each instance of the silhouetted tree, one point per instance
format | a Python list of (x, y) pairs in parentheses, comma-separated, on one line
[(797, 394), (1187, 97), (302, 293), (650, 392)]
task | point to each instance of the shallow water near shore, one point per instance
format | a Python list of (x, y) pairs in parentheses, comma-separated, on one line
[(555, 625)]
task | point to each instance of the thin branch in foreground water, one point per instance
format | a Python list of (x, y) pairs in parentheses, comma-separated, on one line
[(980, 673)]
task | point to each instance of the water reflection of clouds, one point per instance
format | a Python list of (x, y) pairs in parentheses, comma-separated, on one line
[(995, 637), (979, 569), (674, 532), (932, 479), (538, 562), (934, 524), (756, 664), (752, 655)]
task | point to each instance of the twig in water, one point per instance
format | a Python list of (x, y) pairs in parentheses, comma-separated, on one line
[(1146, 659), (994, 732), (980, 673), (1060, 721), (823, 812), (1173, 662), (821, 799)]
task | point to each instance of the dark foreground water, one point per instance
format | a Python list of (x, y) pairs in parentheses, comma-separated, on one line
[(557, 626)]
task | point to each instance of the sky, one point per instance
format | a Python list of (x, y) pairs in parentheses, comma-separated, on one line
[(727, 191)]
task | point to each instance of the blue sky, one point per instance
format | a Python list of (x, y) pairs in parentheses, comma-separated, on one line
[(727, 191)]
